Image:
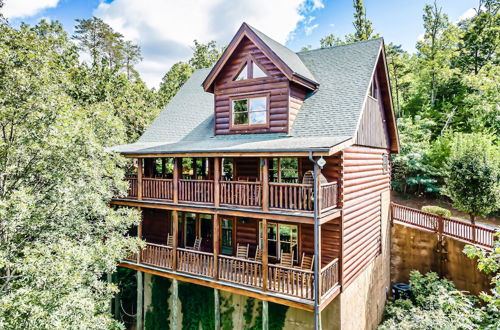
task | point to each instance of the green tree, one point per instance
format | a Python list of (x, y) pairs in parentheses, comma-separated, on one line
[(473, 175), (172, 81), (205, 55), (399, 63), (330, 41), (362, 26), (480, 40), (106, 46), (58, 235)]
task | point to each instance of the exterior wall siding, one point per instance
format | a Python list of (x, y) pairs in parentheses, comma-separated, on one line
[(276, 85), (363, 181)]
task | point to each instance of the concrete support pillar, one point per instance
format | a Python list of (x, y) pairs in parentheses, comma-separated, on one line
[(140, 309), (217, 309), (265, 315), (175, 307)]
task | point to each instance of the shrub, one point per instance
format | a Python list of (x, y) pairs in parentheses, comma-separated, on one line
[(436, 304), (437, 210)]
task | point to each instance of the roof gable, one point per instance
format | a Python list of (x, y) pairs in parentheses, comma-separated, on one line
[(328, 117), (285, 59)]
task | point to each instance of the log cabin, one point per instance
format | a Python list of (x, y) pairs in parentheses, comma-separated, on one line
[(268, 174)]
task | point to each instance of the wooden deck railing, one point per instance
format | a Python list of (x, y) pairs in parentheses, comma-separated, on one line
[(329, 277), (283, 196), (291, 196), (241, 271), (157, 188), (291, 281), (198, 191), (195, 262), (132, 187), (241, 193), (328, 196), (475, 234), (158, 256)]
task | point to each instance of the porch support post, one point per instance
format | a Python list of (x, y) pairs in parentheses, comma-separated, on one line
[(217, 169), (265, 315), (139, 178), (217, 309), (140, 293), (175, 305), (176, 180), (265, 254), (175, 229), (216, 236), (265, 183)]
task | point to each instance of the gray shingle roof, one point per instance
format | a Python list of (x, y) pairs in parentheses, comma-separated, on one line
[(327, 117), (286, 55)]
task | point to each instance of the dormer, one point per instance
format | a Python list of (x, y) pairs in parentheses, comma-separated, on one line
[(258, 85)]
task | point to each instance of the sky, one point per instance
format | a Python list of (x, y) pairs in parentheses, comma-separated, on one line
[(165, 29)]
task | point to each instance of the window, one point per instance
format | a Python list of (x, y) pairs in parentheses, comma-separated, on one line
[(243, 74), (284, 170), (280, 237), (249, 111), (250, 70), (374, 89)]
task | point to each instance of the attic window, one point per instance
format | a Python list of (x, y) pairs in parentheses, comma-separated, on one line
[(374, 89), (250, 70), (249, 111)]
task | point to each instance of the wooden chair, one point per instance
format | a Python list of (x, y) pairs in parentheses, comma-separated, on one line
[(307, 262), (286, 259), (258, 254), (242, 251), (170, 240), (197, 245)]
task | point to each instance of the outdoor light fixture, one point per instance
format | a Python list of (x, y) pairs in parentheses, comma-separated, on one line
[(321, 162)]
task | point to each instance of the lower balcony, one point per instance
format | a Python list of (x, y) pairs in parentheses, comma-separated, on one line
[(233, 252), (292, 282)]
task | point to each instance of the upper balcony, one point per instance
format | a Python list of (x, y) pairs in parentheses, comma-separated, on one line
[(266, 184)]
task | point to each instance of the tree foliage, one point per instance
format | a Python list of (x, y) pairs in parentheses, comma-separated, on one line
[(363, 29), (58, 235), (473, 174), (489, 263)]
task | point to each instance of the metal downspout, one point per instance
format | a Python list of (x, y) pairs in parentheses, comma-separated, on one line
[(317, 320)]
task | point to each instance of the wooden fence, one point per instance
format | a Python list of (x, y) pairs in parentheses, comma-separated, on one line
[(475, 234)]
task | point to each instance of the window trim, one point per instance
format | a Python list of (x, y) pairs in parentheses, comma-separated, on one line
[(278, 240), (248, 60), (249, 126)]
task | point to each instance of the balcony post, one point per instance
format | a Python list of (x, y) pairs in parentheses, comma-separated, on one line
[(176, 180), (216, 239), (265, 183), (217, 169), (265, 254), (139, 179), (317, 245), (175, 229)]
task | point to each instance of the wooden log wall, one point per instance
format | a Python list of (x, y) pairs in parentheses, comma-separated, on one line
[(372, 129), (362, 182), (247, 232), (155, 225), (330, 241), (246, 167), (276, 84), (297, 96)]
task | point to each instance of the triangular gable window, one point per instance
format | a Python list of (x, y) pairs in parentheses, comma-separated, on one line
[(250, 71), (243, 74), (257, 72)]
